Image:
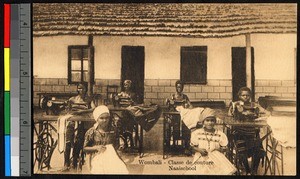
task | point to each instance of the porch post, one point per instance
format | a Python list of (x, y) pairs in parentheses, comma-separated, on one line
[(248, 64), (90, 87)]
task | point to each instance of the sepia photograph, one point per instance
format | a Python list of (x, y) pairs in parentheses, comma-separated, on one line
[(164, 89)]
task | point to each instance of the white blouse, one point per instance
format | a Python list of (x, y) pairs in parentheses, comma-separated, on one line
[(208, 140)]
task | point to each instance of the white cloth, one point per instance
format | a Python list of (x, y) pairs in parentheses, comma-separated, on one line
[(215, 163), (61, 130), (100, 110), (191, 117), (108, 162), (283, 129)]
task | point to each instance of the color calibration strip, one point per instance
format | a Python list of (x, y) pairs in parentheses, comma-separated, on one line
[(7, 90), (15, 89), (24, 75)]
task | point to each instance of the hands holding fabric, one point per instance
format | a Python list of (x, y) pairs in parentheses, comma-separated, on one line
[(101, 148)]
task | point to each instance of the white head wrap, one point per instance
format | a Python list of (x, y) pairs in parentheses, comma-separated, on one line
[(99, 111), (191, 117), (207, 112)]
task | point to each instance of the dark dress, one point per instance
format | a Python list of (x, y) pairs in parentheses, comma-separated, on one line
[(95, 137), (180, 100), (108, 161)]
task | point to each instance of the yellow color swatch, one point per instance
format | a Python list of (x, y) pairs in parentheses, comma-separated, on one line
[(6, 69)]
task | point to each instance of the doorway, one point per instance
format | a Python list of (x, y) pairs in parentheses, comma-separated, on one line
[(239, 71), (133, 68)]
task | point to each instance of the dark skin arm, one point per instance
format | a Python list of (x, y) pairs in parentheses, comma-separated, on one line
[(222, 149), (89, 146), (81, 111), (202, 151), (96, 148), (188, 102), (263, 111), (230, 111)]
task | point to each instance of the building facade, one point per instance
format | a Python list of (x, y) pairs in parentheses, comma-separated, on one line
[(157, 44)]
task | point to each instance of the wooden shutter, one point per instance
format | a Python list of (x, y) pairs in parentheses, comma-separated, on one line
[(193, 64)]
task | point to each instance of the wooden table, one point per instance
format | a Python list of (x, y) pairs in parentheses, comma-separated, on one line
[(45, 142), (168, 130), (138, 129), (270, 163)]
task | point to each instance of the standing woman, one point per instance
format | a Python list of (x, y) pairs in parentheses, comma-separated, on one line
[(179, 98), (80, 104)]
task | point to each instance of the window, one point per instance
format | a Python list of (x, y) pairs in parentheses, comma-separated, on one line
[(78, 60), (193, 65)]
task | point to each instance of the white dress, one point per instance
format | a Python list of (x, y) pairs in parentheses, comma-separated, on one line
[(215, 163), (108, 162)]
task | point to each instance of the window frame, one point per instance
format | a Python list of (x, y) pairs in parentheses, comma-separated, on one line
[(203, 63), (81, 47)]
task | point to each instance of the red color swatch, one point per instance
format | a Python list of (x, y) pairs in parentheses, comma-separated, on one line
[(6, 25)]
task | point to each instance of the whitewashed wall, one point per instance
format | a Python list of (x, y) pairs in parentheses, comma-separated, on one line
[(50, 55), (274, 55)]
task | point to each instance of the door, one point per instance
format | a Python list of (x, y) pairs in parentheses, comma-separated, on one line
[(239, 71), (133, 67)]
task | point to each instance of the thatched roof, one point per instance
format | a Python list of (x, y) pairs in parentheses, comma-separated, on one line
[(189, 20)]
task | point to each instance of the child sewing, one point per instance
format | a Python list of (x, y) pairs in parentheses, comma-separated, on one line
[(179, 98), (244, 109), (100, 142), (247, 138), (209, 144)]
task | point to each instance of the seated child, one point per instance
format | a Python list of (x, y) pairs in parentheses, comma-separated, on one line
[(247, 138), (243, 109), (209, 144), (100, 141)]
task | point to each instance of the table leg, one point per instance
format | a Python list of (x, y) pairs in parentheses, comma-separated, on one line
[(230, 144), (39, 138), (266, 158), (141, 139), (274, 145), (136, 137), (164, 138), (167, 136)]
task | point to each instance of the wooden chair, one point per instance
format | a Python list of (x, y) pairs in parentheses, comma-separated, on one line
[(111, 91)]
